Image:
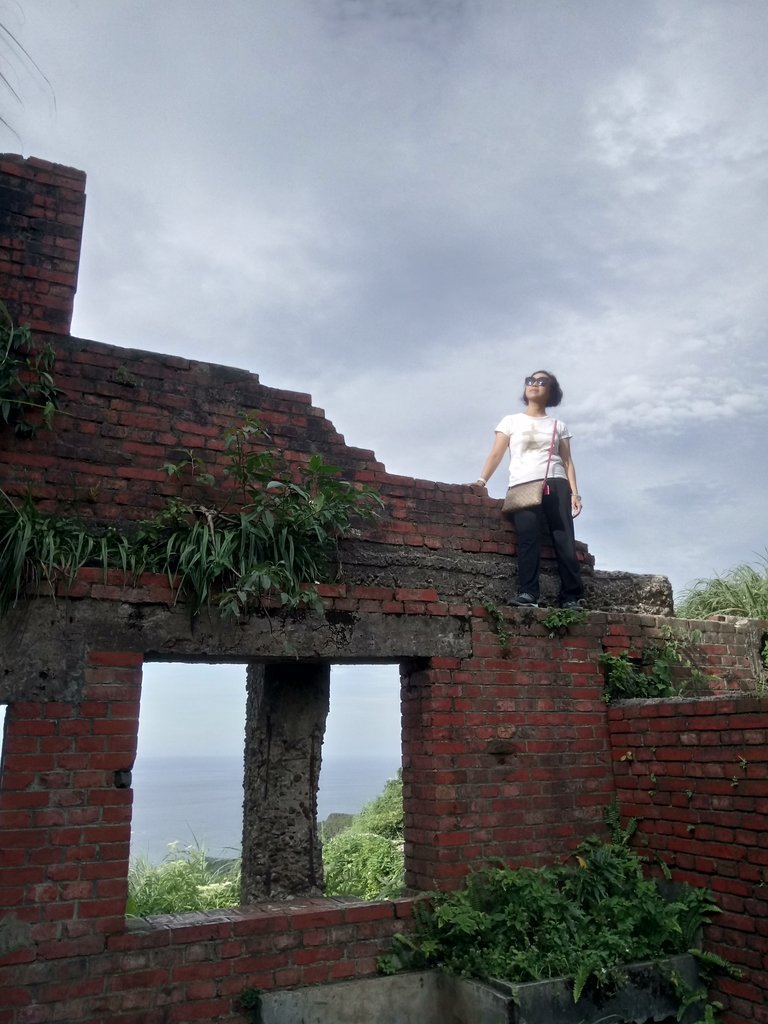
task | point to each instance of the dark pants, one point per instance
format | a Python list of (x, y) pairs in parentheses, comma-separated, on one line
[(555, 513)]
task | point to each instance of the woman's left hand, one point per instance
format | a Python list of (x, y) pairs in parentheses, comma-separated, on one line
[(575, 505)]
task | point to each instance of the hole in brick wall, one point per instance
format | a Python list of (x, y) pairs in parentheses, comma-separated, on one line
[(361, 754), (188, 776), (362, 747)]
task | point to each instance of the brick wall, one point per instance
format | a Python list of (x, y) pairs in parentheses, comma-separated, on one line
[(66, 950), (504, 753), (507, 751), (41, 224), (125, 413), (695, 775)]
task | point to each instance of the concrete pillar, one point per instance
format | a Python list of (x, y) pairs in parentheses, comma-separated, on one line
[(286, 710)]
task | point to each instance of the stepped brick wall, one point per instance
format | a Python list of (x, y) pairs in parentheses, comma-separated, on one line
[(508, 747)]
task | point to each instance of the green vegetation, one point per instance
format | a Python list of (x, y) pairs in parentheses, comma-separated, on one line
[(498, 623), (250, 1003), (584, 920), (37, 549), (188, 879), (272, 539), (556, 621), (666, 669), (28, 395), (742, 591), (366, 859), (560, 619), (363, 864), (335, 823), (280, 539)]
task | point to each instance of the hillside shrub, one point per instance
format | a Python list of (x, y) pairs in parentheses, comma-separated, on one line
[(366, 859)]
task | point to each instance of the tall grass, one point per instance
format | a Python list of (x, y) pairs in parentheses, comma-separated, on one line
[(188, 879), (743, 590)]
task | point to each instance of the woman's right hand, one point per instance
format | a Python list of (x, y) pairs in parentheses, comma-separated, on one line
[(500, 446)]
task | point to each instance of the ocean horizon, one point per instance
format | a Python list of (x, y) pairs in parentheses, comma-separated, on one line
[(198, 801)]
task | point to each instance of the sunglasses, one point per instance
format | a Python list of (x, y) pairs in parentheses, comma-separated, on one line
[(536, 382)]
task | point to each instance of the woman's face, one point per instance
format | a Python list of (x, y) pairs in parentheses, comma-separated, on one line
[(536, 386)]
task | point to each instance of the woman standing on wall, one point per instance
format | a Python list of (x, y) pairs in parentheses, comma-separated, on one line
[(540, 446)]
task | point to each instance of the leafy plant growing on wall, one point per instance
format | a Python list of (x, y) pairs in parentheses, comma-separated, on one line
[(498, 623), (269, 538), (559, 620), (26, 378), (666, 669), (38, 549), (276, 533)]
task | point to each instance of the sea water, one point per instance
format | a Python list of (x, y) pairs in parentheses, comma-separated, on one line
[(199, 801)]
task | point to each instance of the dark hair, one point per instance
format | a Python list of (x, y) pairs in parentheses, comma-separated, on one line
[(555, 391)]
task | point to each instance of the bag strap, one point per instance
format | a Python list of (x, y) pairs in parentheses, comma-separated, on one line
[(549, 457)]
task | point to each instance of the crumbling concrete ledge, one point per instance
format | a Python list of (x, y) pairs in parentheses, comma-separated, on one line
[(434, 997)]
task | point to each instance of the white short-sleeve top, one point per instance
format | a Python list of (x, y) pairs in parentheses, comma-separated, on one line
[(529, 441)]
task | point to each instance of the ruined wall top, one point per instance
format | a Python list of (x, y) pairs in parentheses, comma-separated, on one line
[(124, 413), (42, 206)]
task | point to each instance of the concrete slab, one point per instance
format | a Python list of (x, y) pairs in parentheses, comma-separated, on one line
[(432, 997)]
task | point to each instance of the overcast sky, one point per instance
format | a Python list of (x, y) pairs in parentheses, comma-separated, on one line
[(403, 207)]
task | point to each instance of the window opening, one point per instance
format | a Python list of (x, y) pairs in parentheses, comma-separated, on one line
[(187, 780), (362, 757), (188, 775), (362, 745)]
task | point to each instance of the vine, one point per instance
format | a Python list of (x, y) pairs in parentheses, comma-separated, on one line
[(498, 623)]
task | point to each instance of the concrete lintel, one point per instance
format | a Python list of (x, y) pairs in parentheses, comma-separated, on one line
[(43, 644)]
